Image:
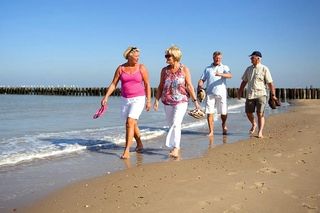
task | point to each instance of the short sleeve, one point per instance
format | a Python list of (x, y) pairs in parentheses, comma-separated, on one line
[(204, 76), (245, 75), (268, 77), (226, 69)]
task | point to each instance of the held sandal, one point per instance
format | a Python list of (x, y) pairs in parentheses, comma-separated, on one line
[(201, 95), (100, 111), (197, 113)]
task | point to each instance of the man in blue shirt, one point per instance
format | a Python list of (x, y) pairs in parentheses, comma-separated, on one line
[(215, 77)]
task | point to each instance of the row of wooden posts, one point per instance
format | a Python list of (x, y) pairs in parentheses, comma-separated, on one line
[(282, 93)]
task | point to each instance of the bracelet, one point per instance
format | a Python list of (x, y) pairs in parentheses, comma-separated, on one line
[(273, 95), (194, 100)]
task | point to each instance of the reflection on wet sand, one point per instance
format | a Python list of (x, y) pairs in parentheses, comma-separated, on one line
[(137, 157), (224, 140)]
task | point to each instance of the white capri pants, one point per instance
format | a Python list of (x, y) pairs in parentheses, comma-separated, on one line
[(174, 116), (132, 107)]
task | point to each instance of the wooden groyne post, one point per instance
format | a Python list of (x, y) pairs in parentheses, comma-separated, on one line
[(282, 93)]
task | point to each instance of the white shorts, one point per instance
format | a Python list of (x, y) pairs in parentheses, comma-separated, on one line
[(219, 102), (132, 107)]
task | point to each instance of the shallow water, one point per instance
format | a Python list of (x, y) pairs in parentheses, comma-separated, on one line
[(48, 142)]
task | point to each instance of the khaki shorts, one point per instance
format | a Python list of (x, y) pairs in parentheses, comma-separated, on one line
[(256, 103)]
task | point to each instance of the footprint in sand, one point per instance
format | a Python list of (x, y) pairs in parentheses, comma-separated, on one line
[(204, 203), (291, 156), (314, 197), (268, 170), (290, 193), (260, 186), (240, 185), (264, 161), (234, 208), (287, 192), (278, 155), (291, 139), (311, 203), (311, 208), (232, 173), (217, 199), (301, 162), (294, 175)]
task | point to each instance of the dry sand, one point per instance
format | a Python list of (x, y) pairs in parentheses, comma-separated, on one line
[(279, 173)]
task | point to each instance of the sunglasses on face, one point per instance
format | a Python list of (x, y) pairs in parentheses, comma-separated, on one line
[(167, 56)]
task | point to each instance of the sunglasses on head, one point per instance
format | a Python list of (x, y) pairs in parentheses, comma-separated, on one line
[(132, 49)]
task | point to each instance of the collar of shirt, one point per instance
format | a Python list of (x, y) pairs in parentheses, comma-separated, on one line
[(218, 65), (257, 66)]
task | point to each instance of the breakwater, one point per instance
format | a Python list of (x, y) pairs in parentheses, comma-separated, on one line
[(282, 93)]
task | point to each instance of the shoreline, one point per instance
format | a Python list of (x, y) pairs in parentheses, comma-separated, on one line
[(26, 183), (275, 174)]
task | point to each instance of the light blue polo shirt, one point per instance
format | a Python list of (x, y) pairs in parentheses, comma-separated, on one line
[(215, 85)]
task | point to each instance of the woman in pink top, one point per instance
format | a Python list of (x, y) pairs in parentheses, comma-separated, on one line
[(174, 89), (135, 92)]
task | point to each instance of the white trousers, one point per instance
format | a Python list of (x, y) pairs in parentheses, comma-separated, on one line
[(174, 116)]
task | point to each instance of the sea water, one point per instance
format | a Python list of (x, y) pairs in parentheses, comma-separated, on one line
[(47, 142), (39, 127)]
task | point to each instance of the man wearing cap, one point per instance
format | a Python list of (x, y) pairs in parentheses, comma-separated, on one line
[(256, 77)]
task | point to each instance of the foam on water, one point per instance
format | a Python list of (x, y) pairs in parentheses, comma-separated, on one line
[(44, 145), (47, 145)]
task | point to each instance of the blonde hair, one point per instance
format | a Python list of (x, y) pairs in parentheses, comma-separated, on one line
[(129, 51), (175, 52)]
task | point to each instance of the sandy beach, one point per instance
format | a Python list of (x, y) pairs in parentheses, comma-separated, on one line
[(279, 173)]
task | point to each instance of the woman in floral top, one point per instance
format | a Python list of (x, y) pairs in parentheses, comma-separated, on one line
[(174, 89)]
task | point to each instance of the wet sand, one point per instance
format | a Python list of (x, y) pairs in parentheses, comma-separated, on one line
[(279, 173)]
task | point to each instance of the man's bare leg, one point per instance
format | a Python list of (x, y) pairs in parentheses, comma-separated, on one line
[(261, 121), (224, 125), (252, 121), (210, 124)]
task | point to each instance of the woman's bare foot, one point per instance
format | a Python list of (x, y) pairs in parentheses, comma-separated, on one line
[(210, 134), (260, 135), (125, 155), (225, 131), (174, 153), (139, 148)]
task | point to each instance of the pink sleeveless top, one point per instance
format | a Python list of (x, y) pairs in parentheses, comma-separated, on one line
[(131, 84), (174, 89)]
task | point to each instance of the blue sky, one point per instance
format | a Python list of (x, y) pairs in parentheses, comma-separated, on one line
[(80, 42)]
